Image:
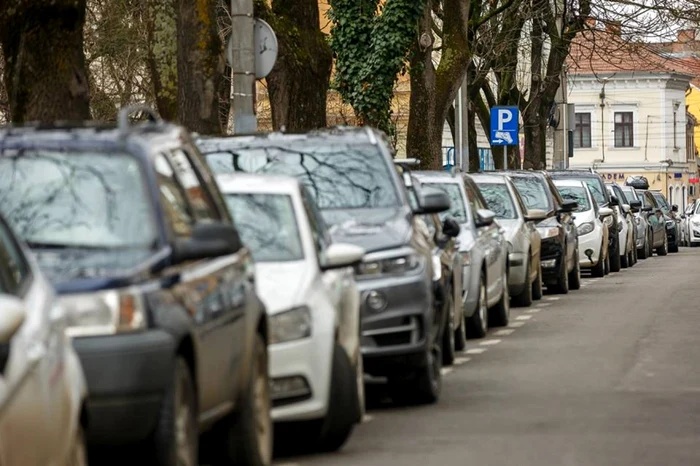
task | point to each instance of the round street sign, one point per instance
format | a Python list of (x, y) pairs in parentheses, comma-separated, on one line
[(266, 49)]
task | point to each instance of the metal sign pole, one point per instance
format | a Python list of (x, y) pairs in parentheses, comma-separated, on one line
[(243, 66)]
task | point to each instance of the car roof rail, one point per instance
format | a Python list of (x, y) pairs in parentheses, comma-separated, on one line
[(407, 162), (126, 112)]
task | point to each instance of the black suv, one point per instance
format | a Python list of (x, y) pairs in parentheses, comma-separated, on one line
[(129, 225), (604, 199), (352, 177), (559, 254)]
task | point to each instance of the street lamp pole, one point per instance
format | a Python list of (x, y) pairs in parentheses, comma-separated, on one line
[(243, 66)]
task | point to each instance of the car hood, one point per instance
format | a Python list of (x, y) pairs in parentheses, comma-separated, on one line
[(75, 270), (281, 285), (371, 229), (510, 227), (583, 217)]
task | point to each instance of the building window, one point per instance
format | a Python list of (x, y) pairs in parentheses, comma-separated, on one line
[(624, 129), (582, 132)]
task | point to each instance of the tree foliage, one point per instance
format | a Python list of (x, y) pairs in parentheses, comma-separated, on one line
[(370, 43)]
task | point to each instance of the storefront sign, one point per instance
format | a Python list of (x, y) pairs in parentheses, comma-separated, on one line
[(613, 176)]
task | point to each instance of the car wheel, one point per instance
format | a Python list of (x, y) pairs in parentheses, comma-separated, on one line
[(499, 315), (175, 439), (78, 451), (448, 333), (663, 250), (635, 254), (478, 322), (562, 285), (461, 334), (624, 261), (245, 437), (599, 269), (537, 285), (423, 386), (524, 299), (575, 275), (673, 247), (615, 259), (643, 253)]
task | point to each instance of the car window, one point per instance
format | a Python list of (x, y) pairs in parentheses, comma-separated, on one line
[(319, 231), (474, 202), (534, 192), (457, 208), (661, 200), (202, 206), (14, 270), (620, 195), (77, 198), (577, 194), (172, 197), (498, 200), (697, 208), (519, 200), (630, 194), (268, 225)]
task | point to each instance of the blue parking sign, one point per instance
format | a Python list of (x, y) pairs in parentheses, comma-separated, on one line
[(504, 126)]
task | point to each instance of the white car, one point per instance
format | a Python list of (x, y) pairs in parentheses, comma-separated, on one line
[(692, 224), (592, 231), (42, 386), (307, 284)]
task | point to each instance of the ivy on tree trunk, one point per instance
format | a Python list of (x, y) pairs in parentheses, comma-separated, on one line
[(200, 66), (44, 71), (298, 84), (162, 54), (370, 43)]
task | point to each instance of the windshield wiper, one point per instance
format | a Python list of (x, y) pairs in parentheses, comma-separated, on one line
[(49, 245)]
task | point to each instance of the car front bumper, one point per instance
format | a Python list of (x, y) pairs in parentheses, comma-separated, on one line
[(395, 336), (517, 272), (590, 242), (126, 378), (552, 255)]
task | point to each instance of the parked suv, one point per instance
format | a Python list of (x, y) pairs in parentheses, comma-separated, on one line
[(559, 250), (159, 292), (672, 220), (351, 175), (604, 199), (628, 233)]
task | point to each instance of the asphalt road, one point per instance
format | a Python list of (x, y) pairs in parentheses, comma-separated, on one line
[(608, 375)]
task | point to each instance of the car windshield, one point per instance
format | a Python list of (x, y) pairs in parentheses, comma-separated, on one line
[(577, 194), (76, 199), (338, 175), (457, 207), (498, 200), (661, 200), (597, 189), (630, 193), (533, 190), (267, 225)]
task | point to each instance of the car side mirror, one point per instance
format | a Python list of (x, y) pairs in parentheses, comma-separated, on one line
[(625, 208), (11, 319), (568, 206), (535, 215), (605, 212), (209, 240), (646, 209), (635, 204), (451, 228), (342, 255), (432, 201), (674, 208), (614, 200), (484, 218)]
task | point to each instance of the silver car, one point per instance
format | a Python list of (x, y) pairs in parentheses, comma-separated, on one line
[(482, 245), (640, 220), (524, 242)]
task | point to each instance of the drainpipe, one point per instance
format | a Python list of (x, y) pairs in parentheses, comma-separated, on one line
[(602, 118)]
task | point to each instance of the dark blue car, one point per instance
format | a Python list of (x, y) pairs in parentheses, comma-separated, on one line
[(128, 223)]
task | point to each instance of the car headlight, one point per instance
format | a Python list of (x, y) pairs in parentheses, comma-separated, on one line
[(398, 265), (104, 313), (548, 232), (608, 220), (585, 228), (290, 325)]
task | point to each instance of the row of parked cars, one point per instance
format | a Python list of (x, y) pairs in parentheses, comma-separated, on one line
[(179, 299)]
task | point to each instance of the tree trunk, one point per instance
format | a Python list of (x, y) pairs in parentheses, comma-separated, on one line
[(162, 55), (474, 159), (298, 84), (424, 140), (200, 66), (45, 70), (535, 139)]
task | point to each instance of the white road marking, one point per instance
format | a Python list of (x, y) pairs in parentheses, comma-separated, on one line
[(505, 331), (544, 304), (552, 298), (446, 370), (460, 361), (533, 310), (516, 324), (523, 318), (286, 464), (476, 350), (489, 342)]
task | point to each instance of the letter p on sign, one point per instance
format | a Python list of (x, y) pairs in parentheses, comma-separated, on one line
[(504, 116)]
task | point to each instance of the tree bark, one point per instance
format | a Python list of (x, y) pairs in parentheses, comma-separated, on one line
[(162, 55), (200, 66), (298, 84), (45, 70)]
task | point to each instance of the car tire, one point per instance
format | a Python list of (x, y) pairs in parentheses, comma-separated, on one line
[(424, 385), (177, 427), (643, 253), (673, 247), (524, 299), (663, 250), (78, 452), (537, 286), (448, 333), (499, 315), (624, 261), (599, 269), (575, 275), (461, 334), (246, 437), (615, 259), (478, 322), (562, 284)]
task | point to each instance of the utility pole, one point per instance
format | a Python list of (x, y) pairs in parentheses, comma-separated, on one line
[(243, 66), (462, 126), (560, 157)]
